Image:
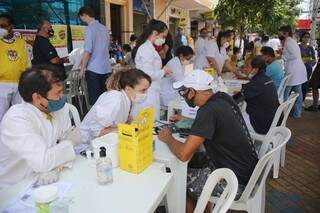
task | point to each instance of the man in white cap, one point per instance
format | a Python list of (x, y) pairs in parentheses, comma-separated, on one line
[(217, 115)]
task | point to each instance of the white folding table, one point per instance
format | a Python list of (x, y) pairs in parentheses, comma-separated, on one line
[(128, 192)]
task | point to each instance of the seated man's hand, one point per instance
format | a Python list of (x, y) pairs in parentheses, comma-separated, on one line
[(165, 135), (46, 178)]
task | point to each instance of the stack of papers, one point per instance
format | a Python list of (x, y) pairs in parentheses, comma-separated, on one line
[(25, 203)]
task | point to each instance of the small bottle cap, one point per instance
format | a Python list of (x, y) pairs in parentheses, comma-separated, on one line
[(102, 152)]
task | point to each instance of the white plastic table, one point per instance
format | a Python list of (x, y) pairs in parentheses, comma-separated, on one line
[(128, 192), (176, 195)]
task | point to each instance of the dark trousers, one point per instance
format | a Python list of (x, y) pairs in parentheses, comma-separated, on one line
[(96, 84), (305, 86)]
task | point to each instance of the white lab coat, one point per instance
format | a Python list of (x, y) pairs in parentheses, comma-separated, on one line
[(293, 62), (111, 108), (201, 61), (148, 60), (28, 142), (213, 51), (167, 93)]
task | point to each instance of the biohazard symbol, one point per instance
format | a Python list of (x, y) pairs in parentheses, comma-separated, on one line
[(12, 55), (144, 121)]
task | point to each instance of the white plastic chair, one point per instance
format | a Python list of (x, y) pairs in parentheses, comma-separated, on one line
[(253, 197), (74, 114), (75, 87), (227, 196), (284, 109), (282, 87)]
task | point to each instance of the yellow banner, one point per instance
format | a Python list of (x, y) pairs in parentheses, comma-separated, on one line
[(77, 32), (60, 36), (208, 16), (183, 19)]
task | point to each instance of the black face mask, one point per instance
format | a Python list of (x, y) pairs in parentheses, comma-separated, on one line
[(282, 37), (51, 33), (190, 102)]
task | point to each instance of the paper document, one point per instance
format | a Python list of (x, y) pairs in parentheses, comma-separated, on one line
[(25, 203)]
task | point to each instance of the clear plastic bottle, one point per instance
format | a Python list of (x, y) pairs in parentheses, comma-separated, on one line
[(104, 168)]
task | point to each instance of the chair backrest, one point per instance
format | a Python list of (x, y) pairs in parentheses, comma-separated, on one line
[(284, 109), (276, 138), (226, 197), (74, 114), (282, 87), (74, 82)]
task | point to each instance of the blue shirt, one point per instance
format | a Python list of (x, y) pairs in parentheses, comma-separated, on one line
[(275, 72), (96, 42)]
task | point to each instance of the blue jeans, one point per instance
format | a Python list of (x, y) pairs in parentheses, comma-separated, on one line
[(96, 84), (297, 108)]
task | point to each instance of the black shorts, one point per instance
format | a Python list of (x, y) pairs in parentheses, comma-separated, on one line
[(198, 175)]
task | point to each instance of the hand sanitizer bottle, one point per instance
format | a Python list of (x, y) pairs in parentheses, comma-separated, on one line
[(104, 168)]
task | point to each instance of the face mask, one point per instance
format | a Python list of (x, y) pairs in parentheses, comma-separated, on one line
[(204, 35), (159, 41), (3, 33), (56, 105), (282, 37), (226, 45), (140, 97), (185, 62), (189, 102), (250, 76), (51, 33)]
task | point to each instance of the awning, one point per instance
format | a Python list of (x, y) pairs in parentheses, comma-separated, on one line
[(203, 5), (303, 24)]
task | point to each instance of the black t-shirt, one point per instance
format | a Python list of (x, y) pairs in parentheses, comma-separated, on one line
[(262, 102), (227, 140), (43, 51)]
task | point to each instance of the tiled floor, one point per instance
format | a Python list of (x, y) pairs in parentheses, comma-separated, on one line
[(297, 189)]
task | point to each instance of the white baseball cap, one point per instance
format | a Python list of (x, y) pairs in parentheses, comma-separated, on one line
[(197, 79)]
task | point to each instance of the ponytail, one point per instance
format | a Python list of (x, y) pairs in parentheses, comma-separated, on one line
[(153, 25), (126, 77)]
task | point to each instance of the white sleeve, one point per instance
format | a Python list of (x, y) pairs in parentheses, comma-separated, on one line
[(292, 50), (211, 49), (108, 109), (145, 61), (177, 75), (23, 140)]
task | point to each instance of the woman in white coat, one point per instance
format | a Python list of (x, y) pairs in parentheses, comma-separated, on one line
[(149, 61), (113, 107), (294, 66), (201, 61), (217, 54), (177, 65)]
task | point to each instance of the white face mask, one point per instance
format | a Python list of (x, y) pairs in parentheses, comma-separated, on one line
[(159, 41), (140, 97), (3, 33), (185, 62), (250, 76)]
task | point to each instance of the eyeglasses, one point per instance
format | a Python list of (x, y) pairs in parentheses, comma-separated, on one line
[(182, 92)]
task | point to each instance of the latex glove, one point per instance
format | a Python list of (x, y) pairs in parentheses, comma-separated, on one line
[(74, 135), (46, 178)]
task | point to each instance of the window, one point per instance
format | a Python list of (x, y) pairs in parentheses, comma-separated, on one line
[(27, 14)]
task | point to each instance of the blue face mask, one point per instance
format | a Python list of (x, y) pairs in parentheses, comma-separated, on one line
[(55, 105)]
